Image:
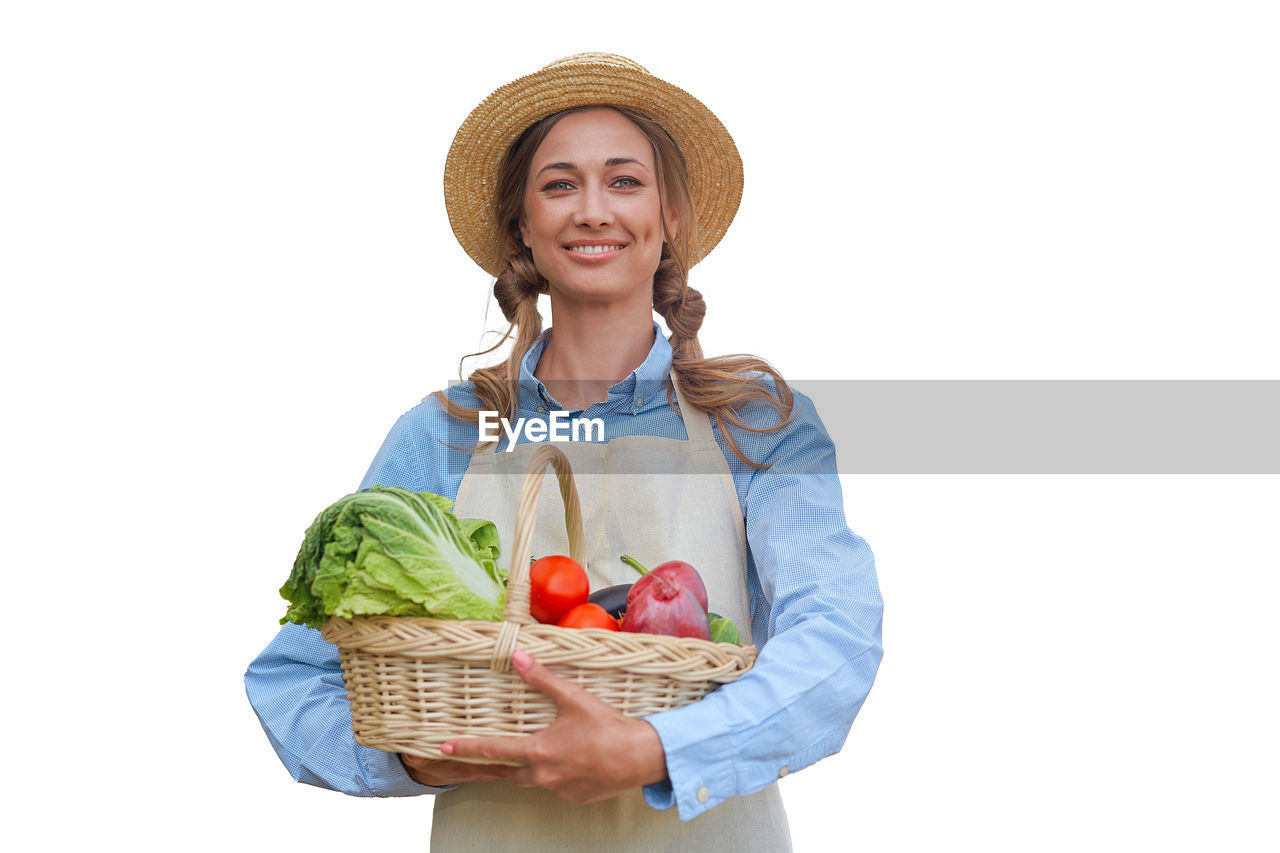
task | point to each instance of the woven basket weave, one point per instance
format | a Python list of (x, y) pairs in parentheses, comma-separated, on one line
[(414, 683)]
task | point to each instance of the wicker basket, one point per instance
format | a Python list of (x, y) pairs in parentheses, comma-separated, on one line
[(414, 683)]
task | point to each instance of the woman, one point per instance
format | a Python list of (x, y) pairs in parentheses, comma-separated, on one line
[(600, 185)]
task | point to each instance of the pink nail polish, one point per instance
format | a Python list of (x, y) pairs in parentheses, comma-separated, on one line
[(447, 749), (521, 659)]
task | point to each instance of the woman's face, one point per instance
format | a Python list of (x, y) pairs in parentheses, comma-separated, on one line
[(592, 215)]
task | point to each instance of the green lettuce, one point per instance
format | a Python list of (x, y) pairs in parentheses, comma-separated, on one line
[(722, 629), (389, 551)]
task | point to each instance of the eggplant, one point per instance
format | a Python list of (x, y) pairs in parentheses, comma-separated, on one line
[(612, 598)]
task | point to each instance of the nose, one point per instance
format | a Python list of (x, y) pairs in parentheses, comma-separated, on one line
[(594, 210)]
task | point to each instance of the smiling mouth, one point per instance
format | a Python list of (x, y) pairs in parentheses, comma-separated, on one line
[(596, 250)]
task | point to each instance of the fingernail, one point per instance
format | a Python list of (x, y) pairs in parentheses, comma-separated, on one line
[(447, 748), (521, 659)]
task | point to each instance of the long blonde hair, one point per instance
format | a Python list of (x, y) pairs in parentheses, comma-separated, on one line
[(719, 386)]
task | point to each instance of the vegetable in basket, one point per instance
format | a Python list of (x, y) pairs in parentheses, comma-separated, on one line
[(722, 629), (671, 599), (589, 616), (612, 599), (678, 570), (390, 551), (557, 584), (665, 606)]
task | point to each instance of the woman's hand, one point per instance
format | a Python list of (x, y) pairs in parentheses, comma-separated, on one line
[(591, 752), (440, 772)]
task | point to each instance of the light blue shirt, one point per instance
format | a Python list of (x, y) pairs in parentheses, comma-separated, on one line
[(815, 607)]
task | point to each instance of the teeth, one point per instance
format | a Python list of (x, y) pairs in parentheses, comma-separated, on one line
[(593, 250)]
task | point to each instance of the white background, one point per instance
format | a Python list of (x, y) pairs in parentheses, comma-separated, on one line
[(227, 270)]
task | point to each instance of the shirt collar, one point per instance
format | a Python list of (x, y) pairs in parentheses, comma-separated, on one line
[(638, 391)]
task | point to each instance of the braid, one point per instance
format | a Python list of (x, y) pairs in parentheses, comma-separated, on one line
[(681, 306), (498, 387), (517, 284), (718, 386)]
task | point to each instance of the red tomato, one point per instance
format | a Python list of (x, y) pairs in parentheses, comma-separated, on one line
[(589, 616), (556, 585)]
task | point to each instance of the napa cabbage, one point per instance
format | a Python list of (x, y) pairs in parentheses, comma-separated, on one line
[(386, 550)]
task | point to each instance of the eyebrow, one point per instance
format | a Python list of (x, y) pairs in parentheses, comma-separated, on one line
[(608, 164)]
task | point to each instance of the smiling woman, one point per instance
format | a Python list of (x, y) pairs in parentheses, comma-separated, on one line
[(609, 182), (593, 214), (601, 186)]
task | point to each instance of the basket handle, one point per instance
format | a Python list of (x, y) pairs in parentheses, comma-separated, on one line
[(517, 610)]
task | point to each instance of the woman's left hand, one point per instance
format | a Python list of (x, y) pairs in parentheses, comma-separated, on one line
[(590, 752)]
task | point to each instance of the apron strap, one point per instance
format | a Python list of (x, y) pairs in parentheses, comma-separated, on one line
[(696, 421)]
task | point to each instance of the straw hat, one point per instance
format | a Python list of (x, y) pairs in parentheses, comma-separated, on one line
[(475, 158)]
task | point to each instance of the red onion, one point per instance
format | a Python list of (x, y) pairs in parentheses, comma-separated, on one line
[(664, 606), (683, 573)]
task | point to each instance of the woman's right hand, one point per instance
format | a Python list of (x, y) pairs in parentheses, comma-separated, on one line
[(439, 772)]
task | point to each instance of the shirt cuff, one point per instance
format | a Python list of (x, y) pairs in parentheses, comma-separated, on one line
[(660, 795), (700, 769), (388, 778)]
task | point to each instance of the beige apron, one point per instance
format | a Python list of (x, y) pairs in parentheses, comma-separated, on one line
[(633, 502)]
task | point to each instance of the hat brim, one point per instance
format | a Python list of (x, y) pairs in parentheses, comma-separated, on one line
[(480, 146)]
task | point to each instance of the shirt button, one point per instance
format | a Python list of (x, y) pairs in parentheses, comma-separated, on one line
[(703, 794), (783, 771), (541, 411), (639, 401)]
